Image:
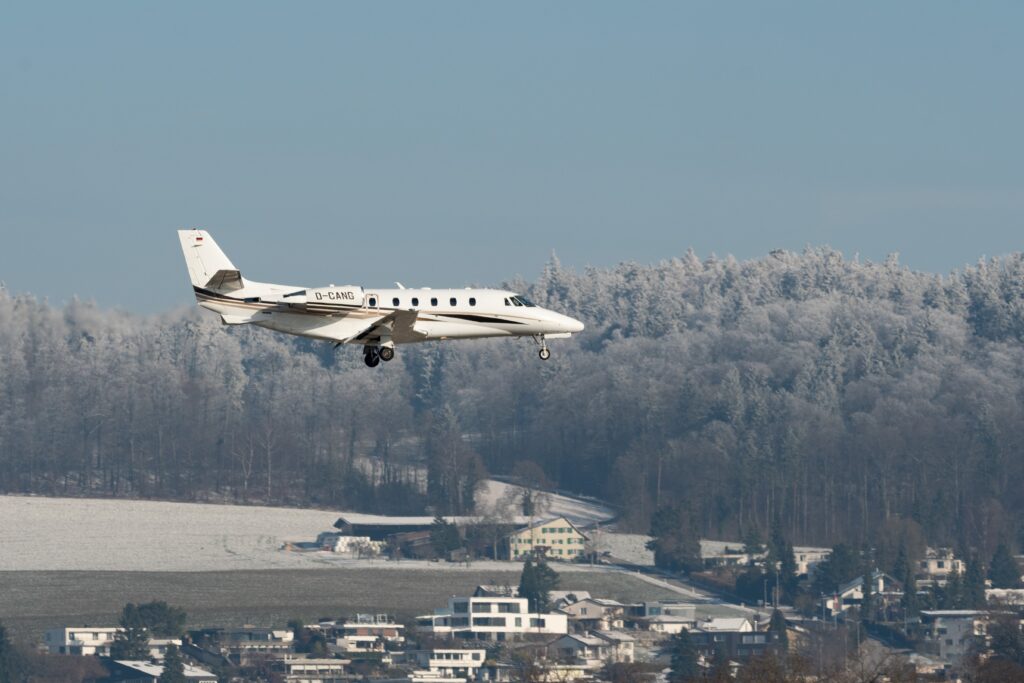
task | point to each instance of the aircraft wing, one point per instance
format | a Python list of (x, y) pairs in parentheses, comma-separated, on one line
[(399, 325)]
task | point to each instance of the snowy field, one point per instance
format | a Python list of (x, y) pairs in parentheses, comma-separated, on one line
[(580, 512), (84, 534), (631, 548)]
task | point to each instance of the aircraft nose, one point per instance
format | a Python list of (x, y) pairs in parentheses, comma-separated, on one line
[(572, 325)]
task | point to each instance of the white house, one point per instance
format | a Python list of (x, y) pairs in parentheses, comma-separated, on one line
[(808, 557), (81, 640), (851, 593), (491, 618), (726, 624), (937, 565), (669, 623), (949, 635), (297, 669), (447, 664), (365, 633)]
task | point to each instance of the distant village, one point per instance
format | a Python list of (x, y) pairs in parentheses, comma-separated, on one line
[(873, 627)]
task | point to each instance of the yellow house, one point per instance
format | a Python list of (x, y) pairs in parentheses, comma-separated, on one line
[(557, 538)]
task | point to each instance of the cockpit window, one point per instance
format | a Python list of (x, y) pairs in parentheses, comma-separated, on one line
[(507, 302), (519, 300)]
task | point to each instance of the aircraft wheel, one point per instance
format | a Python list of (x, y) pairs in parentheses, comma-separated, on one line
[(544, 354), (386, 353), (371, 358)]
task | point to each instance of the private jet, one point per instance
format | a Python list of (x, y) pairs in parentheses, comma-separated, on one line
[(376, 319)]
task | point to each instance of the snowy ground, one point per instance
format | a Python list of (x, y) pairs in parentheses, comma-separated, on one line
[(41, 533), (581, 512), (631, 548)]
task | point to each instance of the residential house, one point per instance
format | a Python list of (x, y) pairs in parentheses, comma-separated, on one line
[(579, 648), (240, 645), (134, 671), (293, 669), (556, 539), (1009, 597), (81, 640), (727, 554), (491, 618), (851, 593), (731, 638), (808, 557), (950, 635), (367, 633), (592, 614), (661, 617), (593, 650), (620, 645), (936, 567), (452, 664), (548, 672)]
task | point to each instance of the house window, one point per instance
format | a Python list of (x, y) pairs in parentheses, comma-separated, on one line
[(472, 301), (433, 301), (452, 301), (394, 302), (415, 301)]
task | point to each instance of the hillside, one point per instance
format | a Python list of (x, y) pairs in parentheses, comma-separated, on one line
[(838, 399)]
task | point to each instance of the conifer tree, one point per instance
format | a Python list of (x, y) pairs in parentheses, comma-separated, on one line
[(174, 667), (535, 584), (974, 584), (685, 663), (1004, 570)]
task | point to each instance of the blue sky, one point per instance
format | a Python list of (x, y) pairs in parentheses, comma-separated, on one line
[(445, 144)]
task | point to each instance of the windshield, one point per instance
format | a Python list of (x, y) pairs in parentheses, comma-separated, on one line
[(519, 300)]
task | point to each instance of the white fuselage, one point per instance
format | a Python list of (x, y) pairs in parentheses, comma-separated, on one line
[(440, 313)]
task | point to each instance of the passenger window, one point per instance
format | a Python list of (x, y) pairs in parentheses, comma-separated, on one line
[(472, 301), (373, 301), (415, 301), (394, 302), (452, 301), (433, 301)]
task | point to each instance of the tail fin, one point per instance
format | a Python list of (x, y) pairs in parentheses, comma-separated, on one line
[(208, 267)]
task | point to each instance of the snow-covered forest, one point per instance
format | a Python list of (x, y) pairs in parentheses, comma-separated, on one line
[(842, 400)]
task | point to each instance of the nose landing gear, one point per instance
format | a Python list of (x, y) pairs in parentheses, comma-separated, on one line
[(544, 353)]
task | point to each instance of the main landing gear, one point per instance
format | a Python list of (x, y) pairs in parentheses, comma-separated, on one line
[(544, 353), (373, 355)]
